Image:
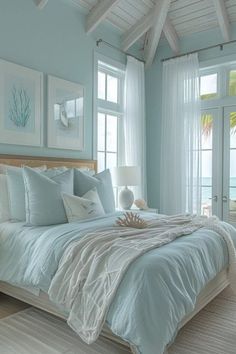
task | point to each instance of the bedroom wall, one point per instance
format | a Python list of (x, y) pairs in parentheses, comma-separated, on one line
[(154, 99), (53, 41)]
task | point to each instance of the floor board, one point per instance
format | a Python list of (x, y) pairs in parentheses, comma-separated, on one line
[(212, 331)]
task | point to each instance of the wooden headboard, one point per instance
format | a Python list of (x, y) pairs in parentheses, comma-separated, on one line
[(50, 162)]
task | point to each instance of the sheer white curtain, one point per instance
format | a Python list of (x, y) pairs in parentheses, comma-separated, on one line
[(180, 144), (134, 122)]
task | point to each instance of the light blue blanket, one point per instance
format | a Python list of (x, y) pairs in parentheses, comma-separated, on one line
[(157, 291)]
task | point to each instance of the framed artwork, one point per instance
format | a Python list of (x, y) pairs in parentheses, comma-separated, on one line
[(65, 114), (21, 105)]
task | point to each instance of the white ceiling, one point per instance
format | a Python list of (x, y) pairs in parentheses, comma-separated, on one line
[(153, 19), (187, 16)]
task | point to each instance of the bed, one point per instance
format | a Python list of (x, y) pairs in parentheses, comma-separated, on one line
[(213, 283)]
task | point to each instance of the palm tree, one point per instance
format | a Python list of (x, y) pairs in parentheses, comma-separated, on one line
[(207, 124)]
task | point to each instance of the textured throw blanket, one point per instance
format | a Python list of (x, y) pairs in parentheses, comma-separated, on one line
[(92, 268)]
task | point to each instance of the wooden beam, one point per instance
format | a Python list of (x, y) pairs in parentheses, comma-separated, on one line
[(98, 13), (171, 36), (137, 31), (41, 3), (160, 14), (223, 18)]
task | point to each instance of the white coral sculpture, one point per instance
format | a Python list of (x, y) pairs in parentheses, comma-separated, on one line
[(132, 220)]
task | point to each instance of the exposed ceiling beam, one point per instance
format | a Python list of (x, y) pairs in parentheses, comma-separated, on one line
[(143, 25), (171, 36), (159, 14), (41, 3), (223, 18), (137, 31), (98, 13)]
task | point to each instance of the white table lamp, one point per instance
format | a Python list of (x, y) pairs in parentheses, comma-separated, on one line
[(126, 176)]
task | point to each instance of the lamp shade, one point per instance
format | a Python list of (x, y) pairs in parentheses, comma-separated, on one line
[(126, 176)]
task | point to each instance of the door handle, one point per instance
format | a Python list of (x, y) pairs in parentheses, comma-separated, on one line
[(215, 198), (224, 199)]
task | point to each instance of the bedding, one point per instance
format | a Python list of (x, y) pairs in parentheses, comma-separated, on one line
[(87, 207), (83, 182), (43, 196), (165, 281)]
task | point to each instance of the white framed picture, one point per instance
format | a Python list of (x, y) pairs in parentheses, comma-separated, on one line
[(65, 114), (21, 105)]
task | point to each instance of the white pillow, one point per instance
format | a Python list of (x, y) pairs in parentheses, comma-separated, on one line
[(4, 199), (81, 208)]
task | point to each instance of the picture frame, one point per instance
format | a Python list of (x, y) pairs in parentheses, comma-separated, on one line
[(21, 105), (65, 114)]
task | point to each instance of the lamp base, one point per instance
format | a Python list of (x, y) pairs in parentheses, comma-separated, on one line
[(126, 198)]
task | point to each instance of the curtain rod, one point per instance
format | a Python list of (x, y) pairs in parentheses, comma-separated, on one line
[(100, 41), (221, 45)]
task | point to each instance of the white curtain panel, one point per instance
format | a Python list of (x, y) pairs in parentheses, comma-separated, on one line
[(134, 153), (180, 144)]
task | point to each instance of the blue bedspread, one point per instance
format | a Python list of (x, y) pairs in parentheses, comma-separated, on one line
[(158, 290)]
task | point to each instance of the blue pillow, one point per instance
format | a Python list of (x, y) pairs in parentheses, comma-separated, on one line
[(16, 190), (43, 196), (83, 183)]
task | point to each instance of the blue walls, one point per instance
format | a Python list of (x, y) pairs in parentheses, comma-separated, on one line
[(53, 41), (154, 92)]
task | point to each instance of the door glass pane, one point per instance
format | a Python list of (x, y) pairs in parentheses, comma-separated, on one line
[(232, 186), (206, 201), (101, 161), (101, 132), (111, 160), (232, 83), (233, 129), (207, 126), (208, 86), (101, 85), (206, 206), (112, 89), (111, 133), (207, 168)]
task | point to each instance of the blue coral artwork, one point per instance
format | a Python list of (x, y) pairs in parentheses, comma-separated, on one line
[(20, 104)]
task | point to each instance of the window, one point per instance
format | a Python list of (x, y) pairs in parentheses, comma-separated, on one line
[(232, 83), (109, 113), (208, 86)]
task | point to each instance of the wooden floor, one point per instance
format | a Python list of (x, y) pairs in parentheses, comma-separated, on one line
[(212, 331), (9, 306)]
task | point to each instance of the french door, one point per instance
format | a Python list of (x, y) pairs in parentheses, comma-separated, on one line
[(218, 159)]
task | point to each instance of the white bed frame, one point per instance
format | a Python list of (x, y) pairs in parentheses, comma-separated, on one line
[(213, 288)]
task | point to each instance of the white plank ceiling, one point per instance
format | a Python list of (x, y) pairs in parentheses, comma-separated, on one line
[(184, 17), (188, 16)]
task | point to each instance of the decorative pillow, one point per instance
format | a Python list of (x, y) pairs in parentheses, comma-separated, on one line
[(16, 189), (4, 200), (102, 181), (52, 172), (87, 207), (4, 168), (43, 195)]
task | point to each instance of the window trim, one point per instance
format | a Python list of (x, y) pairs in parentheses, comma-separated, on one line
[(106, 107)]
